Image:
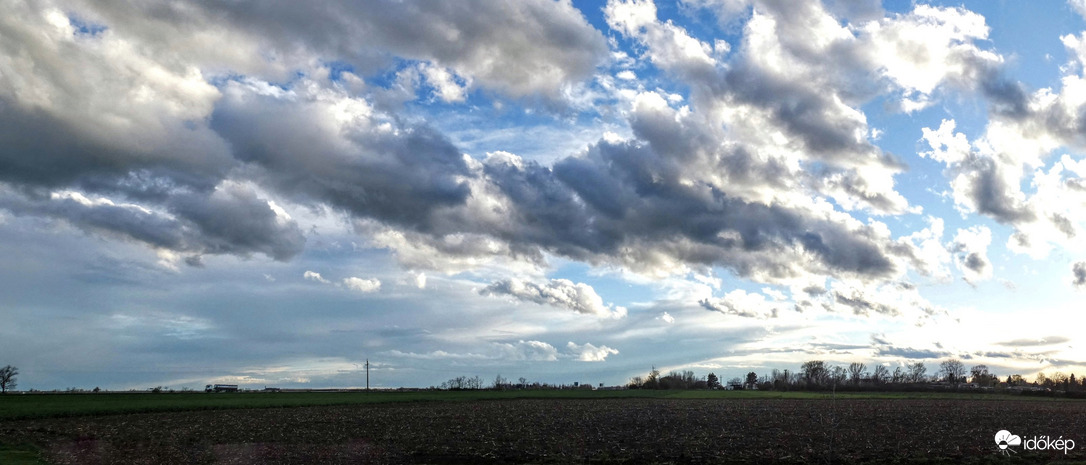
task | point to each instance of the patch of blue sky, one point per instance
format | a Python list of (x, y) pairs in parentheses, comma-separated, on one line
[(1028, 34), (336, 68), (512, 127), (610, 285), (86, 28)]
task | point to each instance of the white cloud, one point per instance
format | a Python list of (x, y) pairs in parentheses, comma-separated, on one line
[(946, 146), (579, 297), (669, 46), (314, 276), (1079, 6), (742, 303), (928, 46), (362, 285), (970, 249), (589, 352), (445, 84)]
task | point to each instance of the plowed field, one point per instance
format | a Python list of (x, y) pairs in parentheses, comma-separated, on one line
[(568, 431)]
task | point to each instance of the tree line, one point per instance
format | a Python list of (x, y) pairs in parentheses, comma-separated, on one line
[(818, 375)]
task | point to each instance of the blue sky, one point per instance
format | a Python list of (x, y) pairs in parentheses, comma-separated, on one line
[(273, 193)]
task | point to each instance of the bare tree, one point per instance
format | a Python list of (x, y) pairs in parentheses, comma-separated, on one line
[(952, 370), (916, 372), (7, 378), (856, 372), (838, 374), (814, 372), (881, 374)]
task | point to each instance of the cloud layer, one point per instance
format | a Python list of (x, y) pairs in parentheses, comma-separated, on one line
[(775, 169)]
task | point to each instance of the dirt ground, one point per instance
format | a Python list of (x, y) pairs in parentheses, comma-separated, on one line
[(569, 431)]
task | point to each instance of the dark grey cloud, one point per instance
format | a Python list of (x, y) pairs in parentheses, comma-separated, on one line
[(861, 305), (812, 117), (397, 174), (1078, 274), (229, 220), (989, 191), (642, 199), (630, 204), (40, 149), (522, 49), (975, 262), (1063, 224), (234, 220), (911, 353)]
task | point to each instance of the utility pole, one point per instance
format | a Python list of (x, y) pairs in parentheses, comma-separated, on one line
[(367, 374)]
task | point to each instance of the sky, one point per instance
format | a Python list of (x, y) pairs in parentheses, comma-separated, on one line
[(272, 193)]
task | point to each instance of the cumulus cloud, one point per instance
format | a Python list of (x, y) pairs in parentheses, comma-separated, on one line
[(357, 158), (1078, 274), (446, 85), (744, 304), (970, 248), (590, 353), (481, 40), (529, 350), (981, 181), (231, 219), (694, 187), (314, 276), (110, 107), (925, 250), (987, 173), (1079, 6), (894, 299), (362, 285), (157, 151), (758, 170), (579, 297), (668, 46)]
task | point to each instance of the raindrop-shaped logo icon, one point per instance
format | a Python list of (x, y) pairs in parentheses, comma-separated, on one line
[(1004, 439)]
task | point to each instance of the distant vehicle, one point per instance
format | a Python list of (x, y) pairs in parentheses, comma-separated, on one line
[(221, 388)]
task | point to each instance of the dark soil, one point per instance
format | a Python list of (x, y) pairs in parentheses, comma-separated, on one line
[(567, 431)]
